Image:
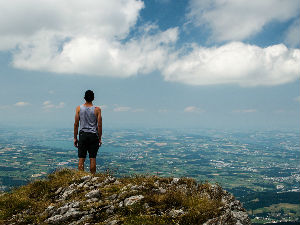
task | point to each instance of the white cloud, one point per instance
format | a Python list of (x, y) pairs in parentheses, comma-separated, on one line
[(49, 105), (127, 109), (21, 104), (103, 106), (122, 109), (293, 33), (66, 36), (245, 111), (193, 109), (97, 56), (162, 110), (232, 20), (60, 105), (92, 38), (66, 19), (235, 63), (297, 99)]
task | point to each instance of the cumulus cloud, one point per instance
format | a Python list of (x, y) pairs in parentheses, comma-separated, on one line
[(65, 19), (122, 109), (297, 99), (245, 111), (21, 104), (49, 105), (128, 109), (235, 63), (93, 38), (82, 37), (233, 20), (162, 110), (103, 106), (193, 109)]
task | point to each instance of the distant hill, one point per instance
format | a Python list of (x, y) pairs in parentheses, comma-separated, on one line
[(72, 197)]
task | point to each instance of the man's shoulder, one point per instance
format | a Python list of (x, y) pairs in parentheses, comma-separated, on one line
[(98, 108), (78, 108)]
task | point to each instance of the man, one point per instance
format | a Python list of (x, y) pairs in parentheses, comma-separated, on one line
[(90, 131)]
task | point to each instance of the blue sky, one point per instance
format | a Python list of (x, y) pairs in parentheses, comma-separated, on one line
[(197, 64)]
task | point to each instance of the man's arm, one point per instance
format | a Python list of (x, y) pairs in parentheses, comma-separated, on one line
[(76, 124), (99, 121)]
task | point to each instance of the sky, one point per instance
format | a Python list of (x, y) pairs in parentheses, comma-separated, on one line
[(219, 64)]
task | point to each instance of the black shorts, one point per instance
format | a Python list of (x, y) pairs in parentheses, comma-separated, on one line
[(88, 142)]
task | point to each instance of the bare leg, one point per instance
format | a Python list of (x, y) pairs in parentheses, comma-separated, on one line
[(93, 165), (81, 164)]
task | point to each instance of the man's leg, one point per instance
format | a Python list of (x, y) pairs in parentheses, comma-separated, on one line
[(93, 165), (81, 164)]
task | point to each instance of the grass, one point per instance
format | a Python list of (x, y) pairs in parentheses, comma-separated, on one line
[(29, 201), (35, 196)]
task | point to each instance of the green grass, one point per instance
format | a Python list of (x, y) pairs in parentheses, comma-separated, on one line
[(31, 200)]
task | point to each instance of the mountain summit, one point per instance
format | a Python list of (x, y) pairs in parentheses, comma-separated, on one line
[(71, 197)]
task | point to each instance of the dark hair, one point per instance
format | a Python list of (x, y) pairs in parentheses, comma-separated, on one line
[(89, 96)]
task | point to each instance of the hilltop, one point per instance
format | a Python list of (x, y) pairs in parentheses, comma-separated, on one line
[(71, 197)]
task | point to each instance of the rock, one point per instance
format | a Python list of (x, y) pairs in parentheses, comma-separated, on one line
[(85, 178), (55, 219), (98, 185), (134, 187), (176, 212), (74, 213), (72, 186), (58, 191), (117, 182), (240, 216), (87, 184), (92, 211), (81, 184), (50, 209), (64, 209), (112, 197), (112, 222), (67, 193), (109, 180), (93, 194), (92, 200), (94, 179), (121, 204), (110, 210), (132, 200), (175, 180), (162, 190), (84, 218), (69, 210)]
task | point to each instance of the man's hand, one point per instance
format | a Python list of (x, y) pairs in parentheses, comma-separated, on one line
[(100, 142), (75, 142)]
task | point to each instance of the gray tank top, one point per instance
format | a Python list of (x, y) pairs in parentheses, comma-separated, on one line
[(87, 118)]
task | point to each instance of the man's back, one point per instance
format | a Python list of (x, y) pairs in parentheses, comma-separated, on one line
[(88, 119)]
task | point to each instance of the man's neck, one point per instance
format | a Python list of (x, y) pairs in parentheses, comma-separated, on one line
[(88, 104)]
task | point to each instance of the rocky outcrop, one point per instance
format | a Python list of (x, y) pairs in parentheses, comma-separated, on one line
[(103, 199)]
